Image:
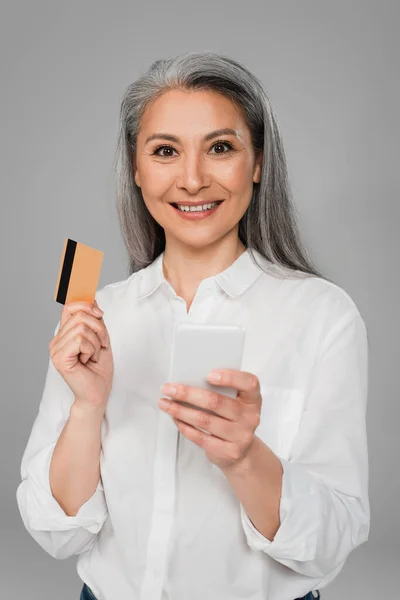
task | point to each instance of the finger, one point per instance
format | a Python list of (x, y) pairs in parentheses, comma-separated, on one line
[(78, 348), (219, 404), (83, 333), (70, 308), (93, 322), (87, 350), (88, 345), (218, 426), (213, 445), (247, 384)]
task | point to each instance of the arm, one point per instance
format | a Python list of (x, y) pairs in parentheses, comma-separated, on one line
[(58, 533), (324, 510), (257, 483), (75, 464)]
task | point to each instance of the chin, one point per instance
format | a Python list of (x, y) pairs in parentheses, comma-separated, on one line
[(197, 240)]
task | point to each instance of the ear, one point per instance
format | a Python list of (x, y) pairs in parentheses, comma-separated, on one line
[(257, 167), (135, 171)]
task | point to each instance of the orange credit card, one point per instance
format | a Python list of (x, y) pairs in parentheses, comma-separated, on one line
[(79, 273)]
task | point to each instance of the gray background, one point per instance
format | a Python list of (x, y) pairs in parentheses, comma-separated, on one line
[(331, 72)]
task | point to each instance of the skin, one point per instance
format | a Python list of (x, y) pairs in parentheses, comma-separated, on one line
[(199, 171), (203, 171)]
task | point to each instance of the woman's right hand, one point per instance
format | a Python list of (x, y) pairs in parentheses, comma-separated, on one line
[(81, 353)]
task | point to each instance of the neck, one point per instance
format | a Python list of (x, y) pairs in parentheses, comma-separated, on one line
[(184, 268)]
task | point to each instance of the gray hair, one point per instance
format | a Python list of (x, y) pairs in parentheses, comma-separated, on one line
[(269, 224)]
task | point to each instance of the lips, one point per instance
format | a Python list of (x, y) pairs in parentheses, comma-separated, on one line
[(175, 204)]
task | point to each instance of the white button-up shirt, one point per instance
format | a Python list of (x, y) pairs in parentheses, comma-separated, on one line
[(164, 522)]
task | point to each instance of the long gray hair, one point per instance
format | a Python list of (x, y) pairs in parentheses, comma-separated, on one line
[(269, 224)]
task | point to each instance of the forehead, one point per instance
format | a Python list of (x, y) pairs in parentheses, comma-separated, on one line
[(191, 113)]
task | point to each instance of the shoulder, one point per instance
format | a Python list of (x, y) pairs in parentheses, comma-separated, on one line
[(117, 293), (334, 307), (312, 297), (336, 299), (303, 288)]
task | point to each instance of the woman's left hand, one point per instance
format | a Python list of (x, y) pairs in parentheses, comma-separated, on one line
[(231, 430)]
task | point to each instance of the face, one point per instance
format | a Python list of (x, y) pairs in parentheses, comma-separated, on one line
[(193, 169)]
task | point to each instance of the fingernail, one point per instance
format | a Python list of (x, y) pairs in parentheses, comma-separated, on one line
[(214, 376), (98, 312), (168, 389)]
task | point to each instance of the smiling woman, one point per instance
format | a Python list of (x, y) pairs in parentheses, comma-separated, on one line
[(268, 501), (205, 174), (196, 129)]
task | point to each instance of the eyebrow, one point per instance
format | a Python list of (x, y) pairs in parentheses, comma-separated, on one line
[(209, 136)]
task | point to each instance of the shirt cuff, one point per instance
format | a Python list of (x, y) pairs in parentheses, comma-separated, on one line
[(46, 514), (297, 536)]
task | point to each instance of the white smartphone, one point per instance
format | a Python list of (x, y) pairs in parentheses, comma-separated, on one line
[(198, 349)]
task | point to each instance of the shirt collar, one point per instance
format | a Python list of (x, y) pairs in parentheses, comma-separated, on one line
[(235, 280)]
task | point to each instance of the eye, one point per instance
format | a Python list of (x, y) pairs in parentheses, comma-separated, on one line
[(155, 153), (223, 143), (217, 143)]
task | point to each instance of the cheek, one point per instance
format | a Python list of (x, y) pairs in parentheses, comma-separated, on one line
[(235, 177), (155, 180)]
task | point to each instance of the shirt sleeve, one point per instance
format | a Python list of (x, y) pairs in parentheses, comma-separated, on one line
[(324, 507), (56, 532)]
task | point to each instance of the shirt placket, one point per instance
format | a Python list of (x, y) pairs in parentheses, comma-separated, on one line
[(163, 508), (202, 306)]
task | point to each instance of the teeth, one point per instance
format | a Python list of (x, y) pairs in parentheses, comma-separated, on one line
[(198, 208)]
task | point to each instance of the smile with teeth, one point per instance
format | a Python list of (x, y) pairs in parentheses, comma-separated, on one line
[(198, 208)]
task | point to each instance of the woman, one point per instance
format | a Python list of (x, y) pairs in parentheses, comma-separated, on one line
[(270, 502)]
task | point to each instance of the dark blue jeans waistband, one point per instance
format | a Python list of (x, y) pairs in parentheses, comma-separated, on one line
[(87, 594)]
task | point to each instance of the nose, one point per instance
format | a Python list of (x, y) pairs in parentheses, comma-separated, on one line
[(194, 174)]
